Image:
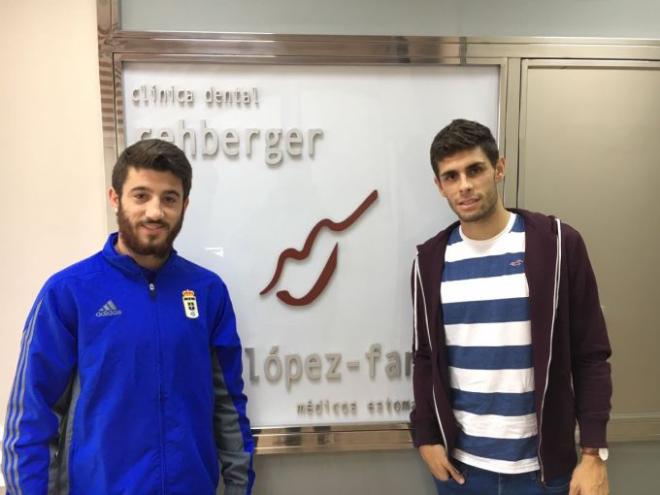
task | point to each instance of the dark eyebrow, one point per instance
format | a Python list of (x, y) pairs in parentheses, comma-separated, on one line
[(146, 189), (139, 189)]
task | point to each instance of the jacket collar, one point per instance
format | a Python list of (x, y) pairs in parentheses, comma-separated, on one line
[(127, 264)]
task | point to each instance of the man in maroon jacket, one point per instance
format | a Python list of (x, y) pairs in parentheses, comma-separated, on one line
[(510, 345)]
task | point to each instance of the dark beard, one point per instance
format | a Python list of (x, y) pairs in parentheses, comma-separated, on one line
[(130, 239)]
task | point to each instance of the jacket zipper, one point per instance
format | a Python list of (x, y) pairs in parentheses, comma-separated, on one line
[(555, 304), (418, 280), (152, 294)]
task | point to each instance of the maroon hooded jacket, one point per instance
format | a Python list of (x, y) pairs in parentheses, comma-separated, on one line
[(570, 346)]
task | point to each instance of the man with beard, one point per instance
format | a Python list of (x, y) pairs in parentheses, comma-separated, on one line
[(129, 376), (510, 347)]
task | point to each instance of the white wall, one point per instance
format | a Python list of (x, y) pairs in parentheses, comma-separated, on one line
[(594, 18), (52, 201)]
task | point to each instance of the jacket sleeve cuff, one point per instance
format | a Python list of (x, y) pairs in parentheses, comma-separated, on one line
[(236, 489), (423, 434), (593, 434)]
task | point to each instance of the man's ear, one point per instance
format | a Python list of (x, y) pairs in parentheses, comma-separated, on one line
[(499, 169), (185, 203), (113, 197)]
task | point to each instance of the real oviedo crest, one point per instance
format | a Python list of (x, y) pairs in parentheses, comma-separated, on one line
[(190, 303)]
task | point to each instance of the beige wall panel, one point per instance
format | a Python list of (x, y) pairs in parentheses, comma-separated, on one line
[(589, 154), (52, 202)]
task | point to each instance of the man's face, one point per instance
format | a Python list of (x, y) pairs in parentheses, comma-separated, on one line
[(149, 212), (469, 182)]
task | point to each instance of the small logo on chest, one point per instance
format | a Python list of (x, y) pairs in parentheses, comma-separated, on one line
[(108, 309), (190, 303)]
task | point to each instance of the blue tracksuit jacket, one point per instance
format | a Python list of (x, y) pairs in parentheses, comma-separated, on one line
[(129, 383)]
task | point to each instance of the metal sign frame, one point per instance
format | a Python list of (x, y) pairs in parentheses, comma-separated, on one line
[(509, 54)]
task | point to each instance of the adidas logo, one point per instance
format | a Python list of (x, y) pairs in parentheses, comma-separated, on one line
[(108, 309)]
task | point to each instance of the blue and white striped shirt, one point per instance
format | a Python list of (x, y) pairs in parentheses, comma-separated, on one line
[(485, 304)]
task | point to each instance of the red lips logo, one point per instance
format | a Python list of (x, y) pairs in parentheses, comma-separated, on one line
[(330, 264)]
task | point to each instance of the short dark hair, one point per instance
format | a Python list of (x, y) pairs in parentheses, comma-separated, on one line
[(462, 135), (154, 154)]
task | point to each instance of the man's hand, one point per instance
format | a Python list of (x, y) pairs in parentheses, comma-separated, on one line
[(590, 477), (435, 457)]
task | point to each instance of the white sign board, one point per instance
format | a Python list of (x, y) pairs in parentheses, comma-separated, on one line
[(326, 170)]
